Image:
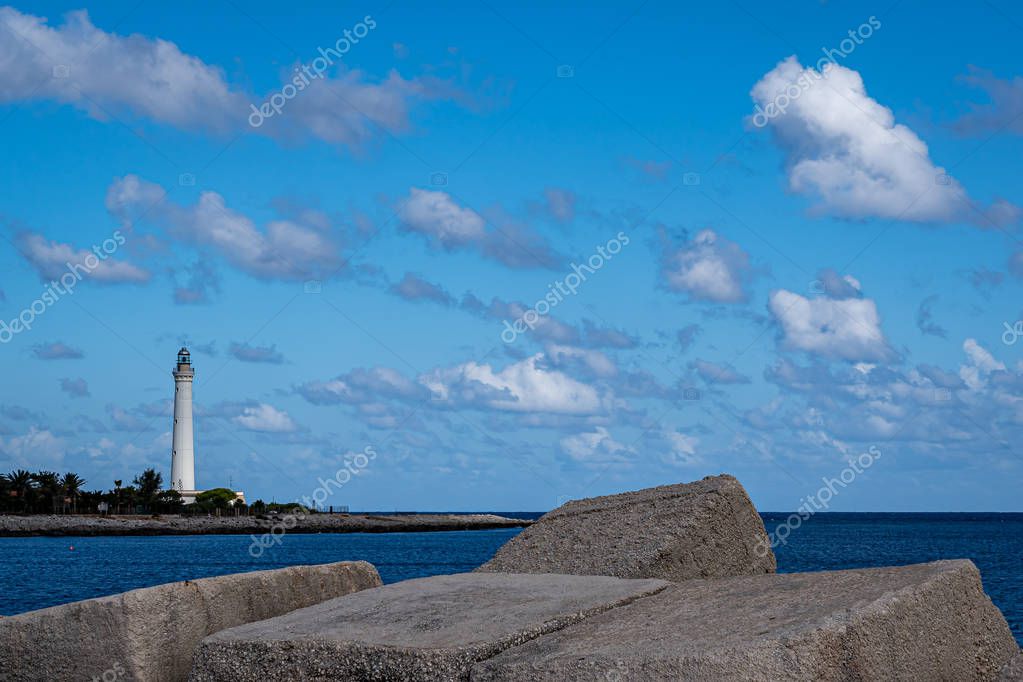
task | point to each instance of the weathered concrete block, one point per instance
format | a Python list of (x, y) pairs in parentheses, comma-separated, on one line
[(706, 529), (150, 634), (1013, 670), (922, 622), (425, 629)]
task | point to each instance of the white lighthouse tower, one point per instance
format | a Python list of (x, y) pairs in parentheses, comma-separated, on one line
[(183, 449)]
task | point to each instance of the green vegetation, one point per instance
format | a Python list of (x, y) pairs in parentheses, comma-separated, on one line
[(47, 492), (216, 499)]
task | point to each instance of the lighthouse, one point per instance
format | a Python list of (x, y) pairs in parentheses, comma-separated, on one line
[(182, 447)]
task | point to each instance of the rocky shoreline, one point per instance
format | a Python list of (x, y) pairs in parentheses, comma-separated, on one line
[(55, 525)]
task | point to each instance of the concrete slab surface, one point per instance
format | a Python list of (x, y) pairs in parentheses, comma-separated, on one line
[(426, 629), (1013, 670), (921, 622), (150, 634)]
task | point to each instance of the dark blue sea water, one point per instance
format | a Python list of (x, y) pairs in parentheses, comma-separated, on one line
[(39, 572)]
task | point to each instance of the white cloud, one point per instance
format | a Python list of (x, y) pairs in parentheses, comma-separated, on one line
[(546, 328), (848, 329), (35, 449), (835, 285), (265, 417), (363, 386), (297, 249), (124, 420), (109, 75), (286, 250), (446, 224), (681, 448), (53, 259), (980, 365), (249, 353), (104, 446), (524, 386), (931, 412), (436, 215), (57, 350), (412, 287), (151, 78), (709, 268), (349, 109), (718, 373), (595, 447), (130, 196), (596, 362), (846, 149)]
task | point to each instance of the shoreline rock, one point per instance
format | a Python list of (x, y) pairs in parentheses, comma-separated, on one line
[(80, 525)]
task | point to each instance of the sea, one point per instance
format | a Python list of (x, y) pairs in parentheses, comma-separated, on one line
[(38, 572)]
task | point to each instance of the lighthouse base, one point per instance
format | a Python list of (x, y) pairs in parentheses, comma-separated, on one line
[(188, 496)]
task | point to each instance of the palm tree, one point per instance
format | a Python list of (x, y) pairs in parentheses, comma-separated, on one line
[(148, 483), (117, 492), (72, 484), (21, 483), (91, 499), (131, 497), (48, 483), (5, 492)]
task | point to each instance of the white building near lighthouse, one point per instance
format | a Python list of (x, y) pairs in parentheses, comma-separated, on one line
[(183, 443)]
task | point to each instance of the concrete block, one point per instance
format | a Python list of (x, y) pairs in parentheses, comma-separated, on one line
[(150, 634), (706, 529), (1013, 670), (426, 629), (921, 622)]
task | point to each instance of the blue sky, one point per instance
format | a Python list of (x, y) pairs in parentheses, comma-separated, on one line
[(771, 298)]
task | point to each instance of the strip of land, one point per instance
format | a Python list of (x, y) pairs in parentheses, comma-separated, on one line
[(57, 525)]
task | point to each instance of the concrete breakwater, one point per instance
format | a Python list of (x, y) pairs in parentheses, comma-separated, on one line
[(705, 529), (149, 635), (56, 525), (670, 583), (920, 622)]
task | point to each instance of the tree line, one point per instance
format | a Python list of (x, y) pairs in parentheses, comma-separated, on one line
[(48, 492)]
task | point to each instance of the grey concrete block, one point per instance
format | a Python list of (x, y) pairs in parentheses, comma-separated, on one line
[(705, 529), (426, 629), (921, 622), (1013, 670), (151, 634)]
